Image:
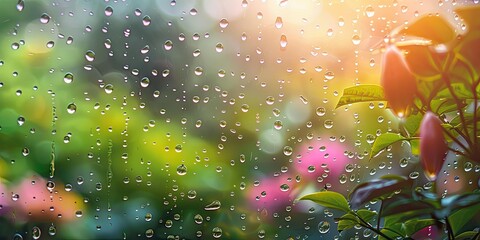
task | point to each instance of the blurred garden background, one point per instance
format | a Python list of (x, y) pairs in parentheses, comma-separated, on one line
[(123, 119)]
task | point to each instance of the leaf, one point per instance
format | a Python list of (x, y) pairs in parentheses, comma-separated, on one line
[(347, 221), (361, 93), (375, 189), (423, 61), (415, 146), (383, 141), (403, 207), (415, 225), (470, 235), (463, 216), (366, 215), (329, 199), (412, 123), (431, 27)]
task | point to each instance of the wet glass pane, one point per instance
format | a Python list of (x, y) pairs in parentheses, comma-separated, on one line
[(208, 119)]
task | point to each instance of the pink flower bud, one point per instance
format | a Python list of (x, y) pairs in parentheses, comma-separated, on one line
[(433, 146), (399, 83)]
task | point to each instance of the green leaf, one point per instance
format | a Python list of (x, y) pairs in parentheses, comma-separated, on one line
[(463, 216), (383, 141), (329, 199), (414, 146), (402, 207), (361, 93), (366, 215), (431, 27), (470, 235), (412, 123), (375, 189), (346, 221), (415, 225)]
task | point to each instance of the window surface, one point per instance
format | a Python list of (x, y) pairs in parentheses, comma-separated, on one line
[(208, 119)]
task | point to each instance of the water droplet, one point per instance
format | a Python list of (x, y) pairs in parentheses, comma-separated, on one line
[(245, 107), (217, 232), (468, 166), (278, 124), (219, 47), (15, 46), (356, 39), (403, 162), (323, 226), (369, 11), (145, 82), (52, 230), (168, 45), (45, 18), (108, 11), (198, 219), (223, 23), (17, 236), (284, 187), (328, 124), (109, 88), (215, 205), (182, 170), (287, 150), (149, 233), (20, 5), (68, 78), (279, 23), (20, 121), (283, 41), (320, 111), (146, 21), (90, 56), (71, 108)]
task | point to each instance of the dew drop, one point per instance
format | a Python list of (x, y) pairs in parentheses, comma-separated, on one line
[(109, 88), (219, 47), (323, 226), (217, 232), (223, 23), (279, 23), (287, 150), (71, 108), (108, 11), (90, 56), (215, 205), (20, 5), (168, 45), (284, 187), (45, 18), (182, 170), (146, 21), (283, 41)]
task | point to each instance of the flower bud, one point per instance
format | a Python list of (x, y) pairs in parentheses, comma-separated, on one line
[(398, 82), (433, 146)]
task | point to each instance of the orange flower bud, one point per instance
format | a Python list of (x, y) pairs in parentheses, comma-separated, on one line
[(433, 146), (399, 84)]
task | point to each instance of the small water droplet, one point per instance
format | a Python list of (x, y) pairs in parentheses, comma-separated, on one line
[(219, 47), (71, 108), (287, 150), (168, 45), (45, 18), (223, 23), (146, 21), (20, 5), (215, 205), (283, 41), (68, 78), (90, 56), (278, 22), (217, 232), (323, 226), (109, 88), (182, 170), (108, 11), (284, 187)]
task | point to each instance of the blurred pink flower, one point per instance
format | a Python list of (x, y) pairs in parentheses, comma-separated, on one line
[(272, 194), (326, 161)]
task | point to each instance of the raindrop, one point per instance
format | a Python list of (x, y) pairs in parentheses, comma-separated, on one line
[(17, 236), (50, 44), (403, 162), (369, 11), (320, 111), (145, 82), (215, 205), (45, 18), (217, 232), (149, 233), (182, 169), (284, 187), (146, 21), (20, 5), (109, 88), (108, 11), (90, 56), (36, 233), (219, 47), (287, 150), (468, 166), (68, 78), (283, 41), (328, 124), (278, 124), (168, 45), (356, 39), (71, 108), (198, 219), (52, 230), (323, 226), (20, 121), (223, 23), (279, 23)]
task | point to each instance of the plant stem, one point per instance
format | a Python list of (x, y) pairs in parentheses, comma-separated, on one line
[(459, 107), (475, 105), (449, 229), (367, 225), (379, 216)]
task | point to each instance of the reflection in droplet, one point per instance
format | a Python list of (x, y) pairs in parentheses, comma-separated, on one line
[(215, 205), (323, 226), (223, 23), (283, 41), (71, 108), (45, 18)]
